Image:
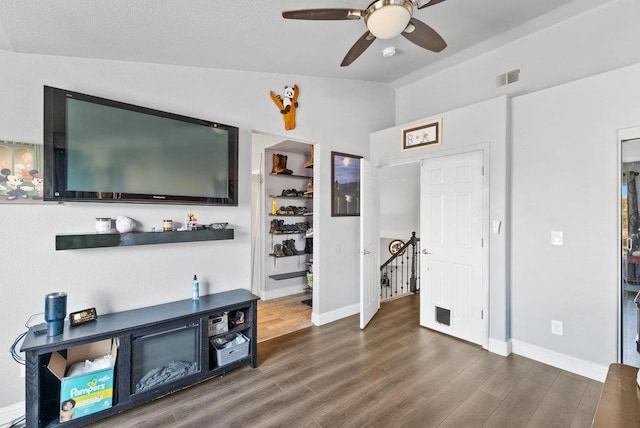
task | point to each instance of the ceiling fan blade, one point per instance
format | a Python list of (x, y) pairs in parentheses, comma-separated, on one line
[(358, 47), (424, 36), (430, 3), (323, 14)]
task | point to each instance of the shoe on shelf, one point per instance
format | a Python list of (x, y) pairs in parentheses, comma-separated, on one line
[(277, 250), (309, 163), (280, 165), (309, 189)]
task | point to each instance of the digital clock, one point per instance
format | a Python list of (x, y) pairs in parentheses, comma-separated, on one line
[(84, 316)]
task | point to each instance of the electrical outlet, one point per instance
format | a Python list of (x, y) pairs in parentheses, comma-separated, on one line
[(21, 371), (556, 327)]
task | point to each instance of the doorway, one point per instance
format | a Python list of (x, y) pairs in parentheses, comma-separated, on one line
[(630, 249), (282, 234), (452, 218)]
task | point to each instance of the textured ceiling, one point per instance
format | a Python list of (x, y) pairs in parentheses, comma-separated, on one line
[(253, 36)]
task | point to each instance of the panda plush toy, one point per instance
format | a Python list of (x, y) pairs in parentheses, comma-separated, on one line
[(287, 105)]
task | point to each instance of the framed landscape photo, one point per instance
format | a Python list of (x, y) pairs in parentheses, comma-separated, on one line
[(345, 185), (424, 134)]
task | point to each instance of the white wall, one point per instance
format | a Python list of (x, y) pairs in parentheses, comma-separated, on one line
[(399, 188), (565, 178), (333, 113), (599, 40), (479, 126), (561, 172)]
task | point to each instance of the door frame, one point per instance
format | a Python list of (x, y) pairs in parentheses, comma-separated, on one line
[(485, 148), (623, 135)]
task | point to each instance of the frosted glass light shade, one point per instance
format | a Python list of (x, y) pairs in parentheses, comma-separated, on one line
[(388, 21)]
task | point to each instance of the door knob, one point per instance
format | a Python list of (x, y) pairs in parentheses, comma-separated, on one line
[(426, 252)]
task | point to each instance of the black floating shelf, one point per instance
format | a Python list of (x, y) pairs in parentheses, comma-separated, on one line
[(307, 196), (99, 240), (288, 275), (290, 232), (298, 253), (294, 176)]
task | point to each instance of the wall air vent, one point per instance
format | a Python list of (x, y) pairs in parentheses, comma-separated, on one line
[(508, 78)]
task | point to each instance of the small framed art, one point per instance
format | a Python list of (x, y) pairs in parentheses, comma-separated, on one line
[(422, 135)]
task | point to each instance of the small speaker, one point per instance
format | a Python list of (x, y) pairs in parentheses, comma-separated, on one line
[(55, 309)]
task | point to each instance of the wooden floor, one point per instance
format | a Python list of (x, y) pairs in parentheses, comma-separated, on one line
[(393, 374), (281, 316)]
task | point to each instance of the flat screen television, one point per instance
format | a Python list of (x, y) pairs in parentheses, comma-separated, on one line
[(102, 150)]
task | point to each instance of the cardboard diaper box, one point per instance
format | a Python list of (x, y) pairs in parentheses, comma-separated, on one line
[(91, 389)]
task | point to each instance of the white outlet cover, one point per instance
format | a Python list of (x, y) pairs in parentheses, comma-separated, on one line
[(556, 237), (556, 327)]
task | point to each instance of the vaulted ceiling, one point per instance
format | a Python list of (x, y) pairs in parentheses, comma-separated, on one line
[(253, 36)]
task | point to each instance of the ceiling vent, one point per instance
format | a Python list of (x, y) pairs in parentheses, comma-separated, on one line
[(508, 78)]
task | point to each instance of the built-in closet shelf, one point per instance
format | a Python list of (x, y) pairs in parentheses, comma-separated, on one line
[(298, 253), (296, 232), (288, 275), (308, 196), (98, 240), (293, 176), (291, 215)]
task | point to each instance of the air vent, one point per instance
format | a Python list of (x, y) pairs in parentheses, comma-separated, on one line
[(508, 78)]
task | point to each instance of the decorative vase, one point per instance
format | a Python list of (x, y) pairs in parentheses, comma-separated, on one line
[(125, 224)]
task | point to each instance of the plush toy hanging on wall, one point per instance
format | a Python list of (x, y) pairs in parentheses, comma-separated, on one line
[(287, 105)]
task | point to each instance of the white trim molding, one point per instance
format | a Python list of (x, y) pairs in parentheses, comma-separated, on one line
[(328, 317), (11, 412), (282, 292), (500, 347), (562, 361)]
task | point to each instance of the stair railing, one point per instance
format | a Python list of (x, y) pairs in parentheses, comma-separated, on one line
[(400, 273)]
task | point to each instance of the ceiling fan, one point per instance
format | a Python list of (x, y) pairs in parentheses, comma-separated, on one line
[(384, 19)]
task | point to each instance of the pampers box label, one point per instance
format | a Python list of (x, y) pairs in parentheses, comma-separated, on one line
[(89, 392)]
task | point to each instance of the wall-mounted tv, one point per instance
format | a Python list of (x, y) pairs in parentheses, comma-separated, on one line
[(102, 150)]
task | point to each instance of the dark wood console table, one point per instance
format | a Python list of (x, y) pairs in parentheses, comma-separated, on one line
[(42, 394)]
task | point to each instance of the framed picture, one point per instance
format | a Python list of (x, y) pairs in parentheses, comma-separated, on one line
[(424, 134), (395, 246), (21, 178), (345, 187)]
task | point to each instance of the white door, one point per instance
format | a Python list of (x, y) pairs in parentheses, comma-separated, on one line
[(451, 225), (369, 243)]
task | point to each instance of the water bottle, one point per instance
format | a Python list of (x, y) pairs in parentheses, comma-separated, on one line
[(195, 288)]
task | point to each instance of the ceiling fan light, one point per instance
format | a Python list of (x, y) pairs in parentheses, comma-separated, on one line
[(388, 21)]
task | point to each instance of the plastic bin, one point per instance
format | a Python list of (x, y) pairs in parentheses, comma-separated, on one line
[(226, 354)]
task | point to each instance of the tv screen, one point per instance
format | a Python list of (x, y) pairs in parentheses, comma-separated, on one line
[(104, 150)]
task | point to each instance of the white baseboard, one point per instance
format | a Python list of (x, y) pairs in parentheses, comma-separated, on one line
[(565, 362), (9, 413), (282, 292), (499, 347), (326, 318)]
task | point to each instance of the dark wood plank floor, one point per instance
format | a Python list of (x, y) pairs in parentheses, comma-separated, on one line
[(393, 374)]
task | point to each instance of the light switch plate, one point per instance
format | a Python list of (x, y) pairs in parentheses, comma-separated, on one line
[(556, 238)]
